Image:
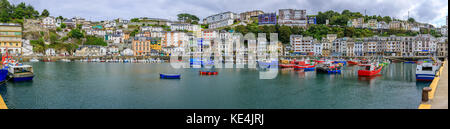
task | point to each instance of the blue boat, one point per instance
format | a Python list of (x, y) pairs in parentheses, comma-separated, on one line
[(409, 62), (334, 71), (170, 76), (3, 75), (309, 69), (343, 62), (20, 72)]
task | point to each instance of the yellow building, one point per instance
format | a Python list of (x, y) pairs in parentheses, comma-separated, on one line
[(10, 38)]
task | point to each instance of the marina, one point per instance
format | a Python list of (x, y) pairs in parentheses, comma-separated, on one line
[(107, 85)]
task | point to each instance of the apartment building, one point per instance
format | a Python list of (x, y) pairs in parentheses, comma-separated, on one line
[(291, 17), (10, 38)]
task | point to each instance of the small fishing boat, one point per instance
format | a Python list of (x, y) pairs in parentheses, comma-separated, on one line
[(328, 68), (287, 65), (340, 62), (48, 60), (19, 72), (170, 76), (65, 60), (305, 64), (426, 70), (352, 62), (34, 60), (208, 72), (369, 70)]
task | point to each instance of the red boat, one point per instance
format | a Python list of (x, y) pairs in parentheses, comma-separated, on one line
[(319, 61), (369, 70), (48, 60), (287, 65), (208, 73), (352, 62), (304, 66)]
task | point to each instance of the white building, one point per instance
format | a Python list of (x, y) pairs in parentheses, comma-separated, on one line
[(220, 20), (48, 22), (302, 45), (50, 52), (318, 49), (127, 52), (151, 28)]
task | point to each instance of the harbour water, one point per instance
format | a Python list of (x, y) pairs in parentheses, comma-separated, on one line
[(83, 85)]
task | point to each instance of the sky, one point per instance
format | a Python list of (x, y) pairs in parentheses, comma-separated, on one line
[(425, 11)]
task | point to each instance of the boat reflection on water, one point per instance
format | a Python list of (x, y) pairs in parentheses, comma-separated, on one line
[(304, 73), (369, 79)]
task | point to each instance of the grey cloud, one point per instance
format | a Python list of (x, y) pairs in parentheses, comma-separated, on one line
[(421, 10)]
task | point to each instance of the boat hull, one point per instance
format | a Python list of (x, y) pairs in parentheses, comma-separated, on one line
[(3, 75), (352, 62), (208, 73), (167, 76), (425, 77), (20, 79), (327, 70), (368, 72)]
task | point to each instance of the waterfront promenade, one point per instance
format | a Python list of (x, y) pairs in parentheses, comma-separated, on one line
[(439, 94), (440, 99)]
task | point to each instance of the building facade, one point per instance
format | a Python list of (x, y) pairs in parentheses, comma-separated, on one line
[(10, 38), (267, 19), (291, 17)]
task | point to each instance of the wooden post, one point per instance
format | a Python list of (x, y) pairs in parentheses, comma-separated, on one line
[(425, 91)]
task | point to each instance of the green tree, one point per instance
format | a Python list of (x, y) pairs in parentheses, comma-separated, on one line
[(188, 18), (45, 13), (411, 20), (63, 25), (134, 32), (284, 34), (134, 20), (92, 40), (76, 33)]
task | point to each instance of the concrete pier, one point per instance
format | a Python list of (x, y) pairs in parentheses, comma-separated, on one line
[(2, 103), (440, 99), (439, 93)]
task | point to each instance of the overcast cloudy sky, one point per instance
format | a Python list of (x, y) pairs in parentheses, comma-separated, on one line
[(429, 11)]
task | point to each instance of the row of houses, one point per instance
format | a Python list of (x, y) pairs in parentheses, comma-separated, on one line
[(420, 45)]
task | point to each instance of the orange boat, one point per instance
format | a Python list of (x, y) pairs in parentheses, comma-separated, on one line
[(208, 73), (369, 70)]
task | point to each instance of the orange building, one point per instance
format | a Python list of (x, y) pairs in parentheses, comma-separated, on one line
[(142, 46)]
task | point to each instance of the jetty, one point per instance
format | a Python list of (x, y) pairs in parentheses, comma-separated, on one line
[(2, 103), (436, 96)]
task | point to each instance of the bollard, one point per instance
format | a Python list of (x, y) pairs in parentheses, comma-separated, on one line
[(425, 91)]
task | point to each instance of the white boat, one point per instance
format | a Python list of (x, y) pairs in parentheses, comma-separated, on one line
[(426, 70), (20, 72), (34, 60), (65, 60)]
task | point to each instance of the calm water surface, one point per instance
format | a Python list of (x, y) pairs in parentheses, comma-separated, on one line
[(107, 85)]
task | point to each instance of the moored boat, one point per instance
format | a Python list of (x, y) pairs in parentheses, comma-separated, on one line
[(19, 72), (426, 70), (369, 70), (208, 72), (328, 68), (34, 60), (287, 65), (169, 76)]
